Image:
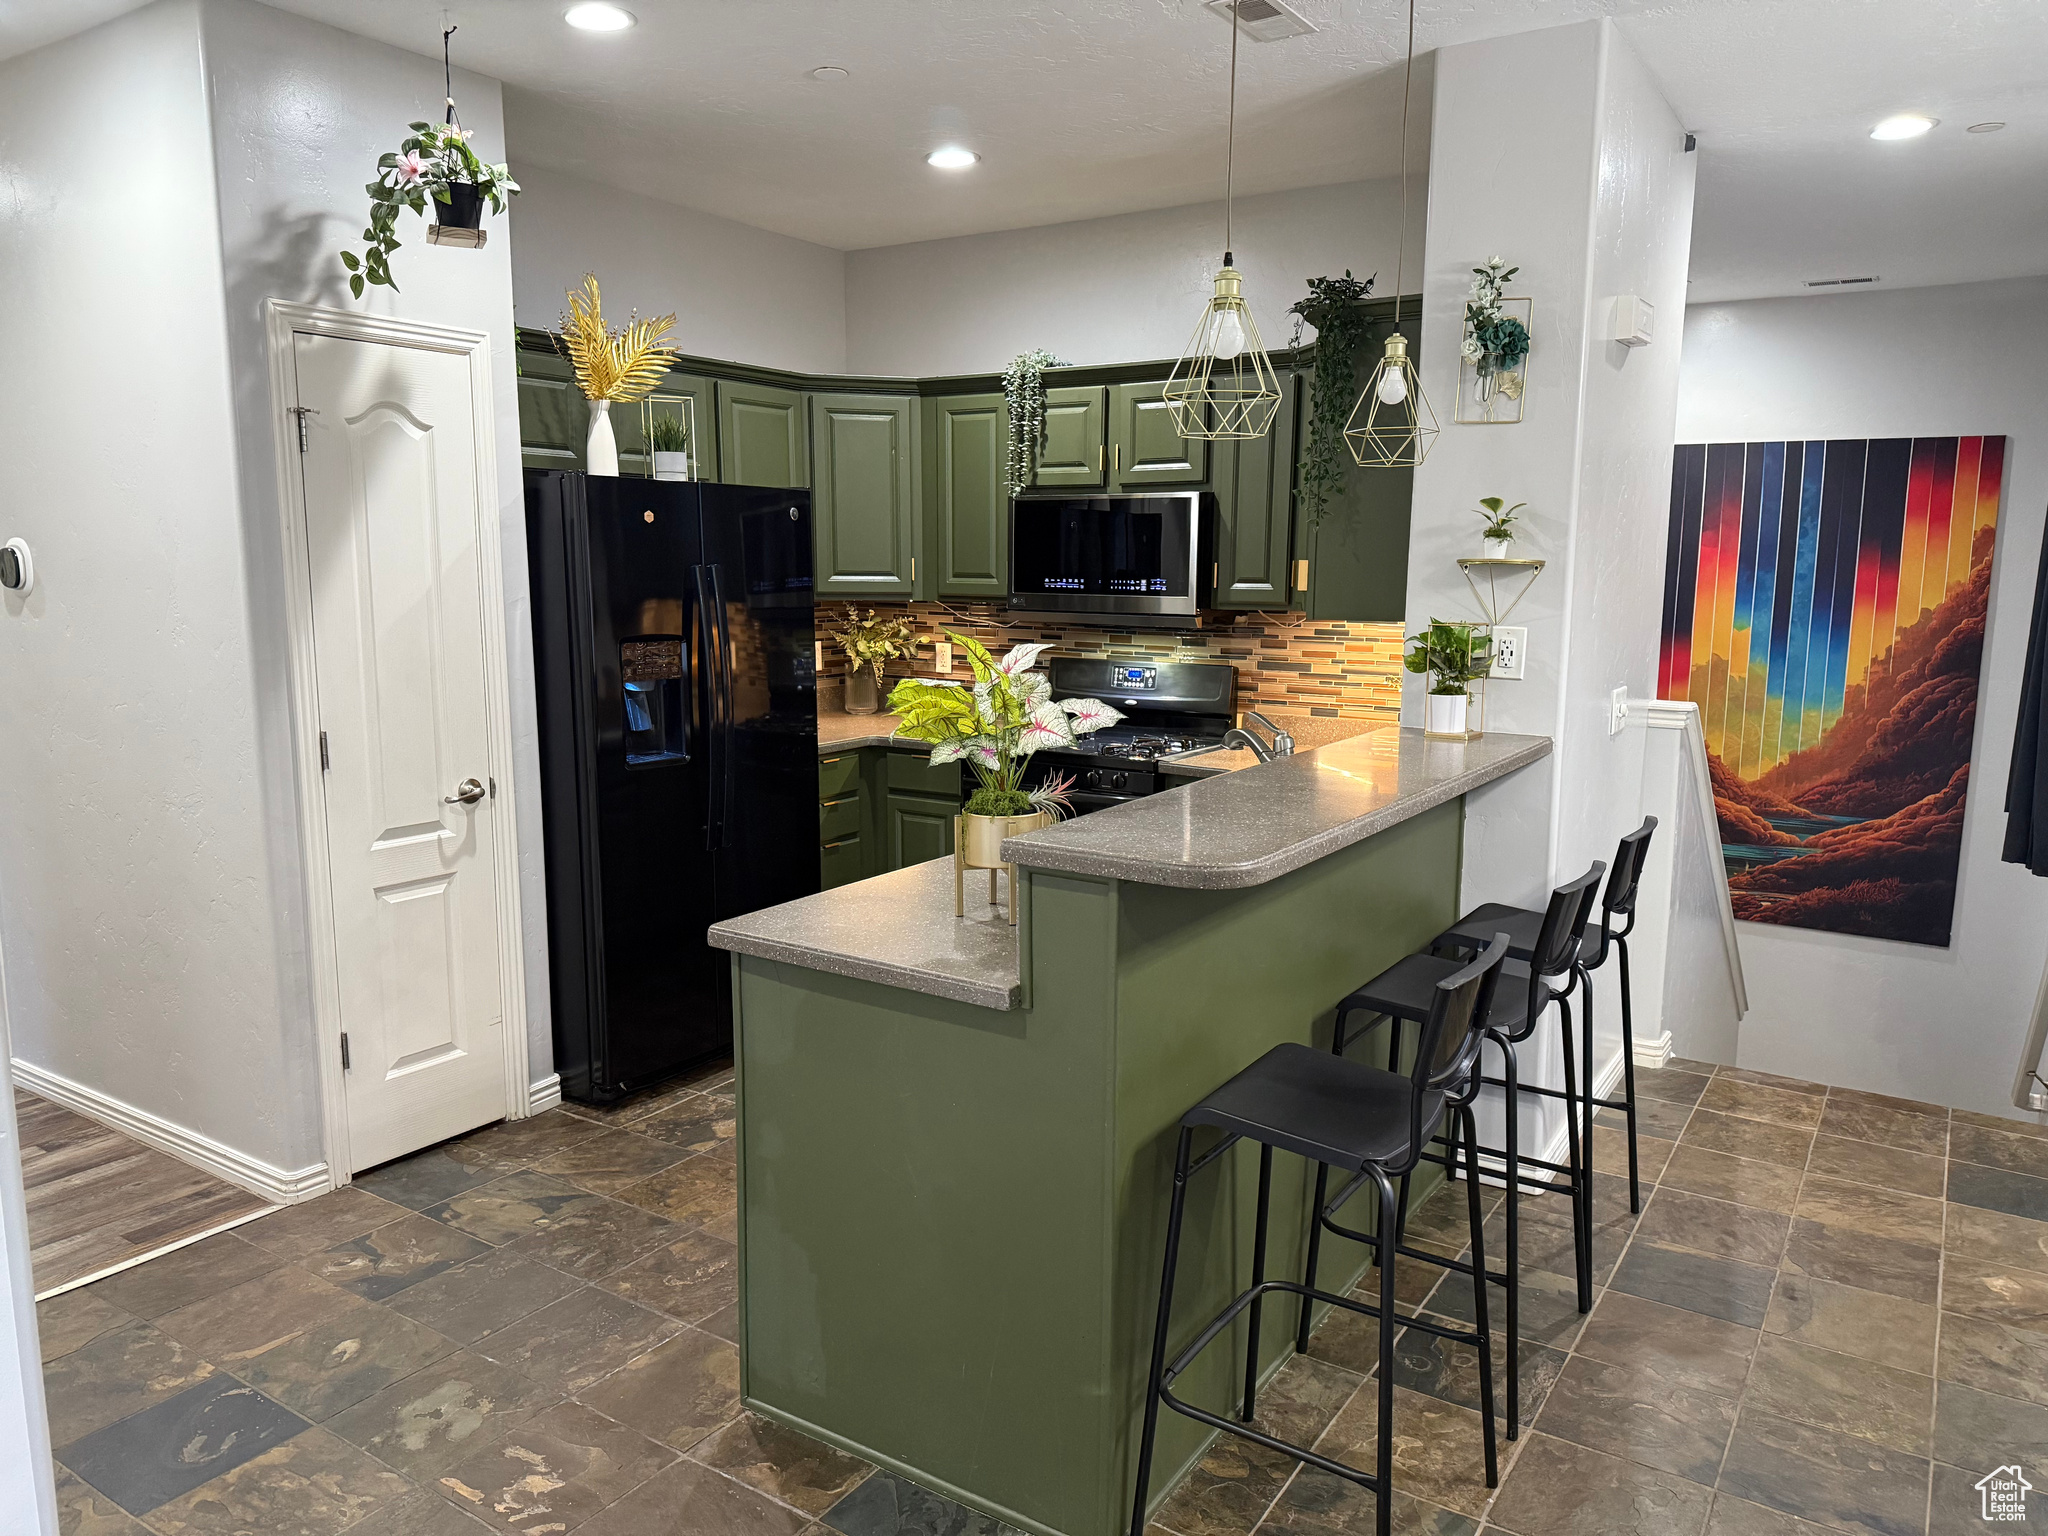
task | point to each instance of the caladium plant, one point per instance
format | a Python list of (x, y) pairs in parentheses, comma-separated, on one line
[(995, 725)]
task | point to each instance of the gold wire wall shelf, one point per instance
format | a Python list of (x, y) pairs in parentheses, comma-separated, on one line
[(1495, 399), (1486, 578)]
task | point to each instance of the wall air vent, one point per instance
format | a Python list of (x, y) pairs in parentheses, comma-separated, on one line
[(1263, 21), (1840, 282)]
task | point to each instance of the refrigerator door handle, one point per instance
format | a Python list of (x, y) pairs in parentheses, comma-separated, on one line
[(721, 786), (716, 675)]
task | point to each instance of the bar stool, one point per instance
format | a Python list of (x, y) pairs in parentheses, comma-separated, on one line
[(1403, 993), (1472, 931), (1344, 1114)]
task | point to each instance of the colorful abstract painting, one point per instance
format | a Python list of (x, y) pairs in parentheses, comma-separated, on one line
[(1824, 606)]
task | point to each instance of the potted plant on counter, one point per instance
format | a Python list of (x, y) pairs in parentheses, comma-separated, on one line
[(1500, 525), (994, 727), (1452, 655), (871, 643)]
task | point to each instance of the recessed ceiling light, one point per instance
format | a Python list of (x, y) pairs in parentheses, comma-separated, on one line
[(596, 16), (1983, 127), (1907, 125), (951, 158), (828, 72)]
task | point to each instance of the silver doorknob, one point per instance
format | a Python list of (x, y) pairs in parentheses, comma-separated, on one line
[(468, 792)]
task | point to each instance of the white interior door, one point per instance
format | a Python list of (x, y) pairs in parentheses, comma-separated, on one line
[(392, 509)]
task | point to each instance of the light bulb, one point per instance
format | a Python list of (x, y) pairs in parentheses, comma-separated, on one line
[(596, 16), (1392, 387), (1228, 340)]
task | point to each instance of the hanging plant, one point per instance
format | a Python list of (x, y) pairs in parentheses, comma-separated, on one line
[(1332, 307), (1495, 342), (435, 164), (1024, 390)]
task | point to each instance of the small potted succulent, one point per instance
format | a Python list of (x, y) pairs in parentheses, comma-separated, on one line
[(434, 165), (669, 441), (994, 727), (1500, 519), (1452, 655), (871, 643)]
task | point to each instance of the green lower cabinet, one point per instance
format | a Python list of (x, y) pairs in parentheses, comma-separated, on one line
[(920, 828), (880, 809), (967, 509), (764, 436), (1075, 451), (1255, 511), (864, 501), (842, 862), (1145, 448)]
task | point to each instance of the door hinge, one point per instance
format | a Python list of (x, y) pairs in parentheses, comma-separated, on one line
[(344, 1050), (301, 412), (324, 764)]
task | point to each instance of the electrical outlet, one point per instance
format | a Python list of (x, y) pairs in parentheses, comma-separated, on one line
[(1510, 650), (1617, 710), (944, 651)]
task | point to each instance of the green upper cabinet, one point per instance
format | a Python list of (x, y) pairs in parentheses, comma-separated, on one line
[(1255, 510), (690, 399), (1075, 452), (864, 500), (1144, 447), (763, 436), (967, 509), (554, 418), (1357, 554)]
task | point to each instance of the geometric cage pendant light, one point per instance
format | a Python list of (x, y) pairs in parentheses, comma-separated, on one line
[(1392, 425), (1224, 385)]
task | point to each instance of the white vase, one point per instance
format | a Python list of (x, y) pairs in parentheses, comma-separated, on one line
[(671, 466), (1499, 549), (1445, 714), (601, 453)]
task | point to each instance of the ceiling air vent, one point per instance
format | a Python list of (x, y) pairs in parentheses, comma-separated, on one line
[(1264, 21), (1840, 282)]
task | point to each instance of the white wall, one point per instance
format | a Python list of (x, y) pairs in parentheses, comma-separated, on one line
[(737, 292), (1944, 1025), (24, 1419), (1113, 290), (138, 890)]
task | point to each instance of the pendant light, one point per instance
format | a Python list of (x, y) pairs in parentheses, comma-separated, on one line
[(1392, 425), (1224, 384)]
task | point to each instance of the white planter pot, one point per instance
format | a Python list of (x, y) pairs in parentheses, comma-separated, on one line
[(601, 452), (1500, 549), (1445, 714), (671, 466)]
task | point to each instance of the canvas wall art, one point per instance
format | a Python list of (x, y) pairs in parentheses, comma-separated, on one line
[(1824, 606)]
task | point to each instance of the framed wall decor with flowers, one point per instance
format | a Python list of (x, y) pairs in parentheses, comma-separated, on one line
[(1493, 356)]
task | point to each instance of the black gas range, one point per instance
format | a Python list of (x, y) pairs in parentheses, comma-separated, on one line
[(1168, 708)]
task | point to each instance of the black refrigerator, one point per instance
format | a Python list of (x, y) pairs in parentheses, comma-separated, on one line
[(673, 661)]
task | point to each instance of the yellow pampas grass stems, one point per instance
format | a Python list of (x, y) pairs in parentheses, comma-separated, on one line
[(613, 365)]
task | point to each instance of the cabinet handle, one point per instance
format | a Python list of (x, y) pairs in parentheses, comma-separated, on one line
[(1116, 456), (1301, 575), (840, 844), (826, 762), (913, 567), (1098, 458)]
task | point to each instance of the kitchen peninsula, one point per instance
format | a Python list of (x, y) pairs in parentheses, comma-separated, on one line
[(955, 1137)]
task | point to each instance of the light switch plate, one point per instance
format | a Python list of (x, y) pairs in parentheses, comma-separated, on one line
[(1510, 650), (1617, 710)]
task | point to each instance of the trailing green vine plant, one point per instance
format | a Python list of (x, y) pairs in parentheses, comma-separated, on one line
[(1332, 307), (1024, 390)]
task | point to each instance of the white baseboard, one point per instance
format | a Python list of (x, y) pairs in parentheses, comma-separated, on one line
[(1654, 1053), (545, 1094), (277, 1185)]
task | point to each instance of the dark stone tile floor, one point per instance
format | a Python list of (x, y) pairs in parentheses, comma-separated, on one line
[(1831, 1316)]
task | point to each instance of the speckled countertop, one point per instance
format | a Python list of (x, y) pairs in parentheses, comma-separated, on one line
[(898, 929), (1234, 830), (841, 732)]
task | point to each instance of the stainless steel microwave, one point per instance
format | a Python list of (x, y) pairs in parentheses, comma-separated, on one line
[(1131, 556)]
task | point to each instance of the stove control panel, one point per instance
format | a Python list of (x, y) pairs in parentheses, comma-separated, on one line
[(1137, 679)]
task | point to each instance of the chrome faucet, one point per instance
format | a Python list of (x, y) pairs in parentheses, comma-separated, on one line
[(1238, 736)]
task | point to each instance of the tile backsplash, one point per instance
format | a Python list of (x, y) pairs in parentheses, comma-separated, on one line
[(1335, 670)]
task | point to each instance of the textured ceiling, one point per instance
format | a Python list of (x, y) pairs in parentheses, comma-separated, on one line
[(1088, 107)]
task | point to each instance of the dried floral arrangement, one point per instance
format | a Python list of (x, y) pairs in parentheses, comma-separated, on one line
[(625, 364)]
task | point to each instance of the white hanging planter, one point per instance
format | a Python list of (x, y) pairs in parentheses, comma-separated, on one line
[(601, 452), (671, 466), (1444, 715)]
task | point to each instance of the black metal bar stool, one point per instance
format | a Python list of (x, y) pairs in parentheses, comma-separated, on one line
[(1403, 993), (1475, 929), (1344, 1114)]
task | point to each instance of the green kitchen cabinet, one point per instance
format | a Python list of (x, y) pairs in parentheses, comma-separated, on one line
[(966, 507), (1075, 453), (763, 435), (1255, 510), (864, 504), (554, 418), (1145, 448), (845, 817), (1357, 553), (919, 804)]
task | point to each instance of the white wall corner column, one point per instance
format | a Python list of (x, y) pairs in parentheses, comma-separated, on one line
[(1556, 150)]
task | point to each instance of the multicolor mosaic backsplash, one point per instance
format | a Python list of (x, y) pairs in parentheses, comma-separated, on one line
[(1335, 670)]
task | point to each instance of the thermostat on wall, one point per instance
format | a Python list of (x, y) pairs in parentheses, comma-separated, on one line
[(17, 567), (1634, 319)]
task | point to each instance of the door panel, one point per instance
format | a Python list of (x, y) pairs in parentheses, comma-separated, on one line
[(920, 828), (1255, 510), (763, 436), (1075, 451), (970, 507), (391, 506), (1145, 449), (864, 507)]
